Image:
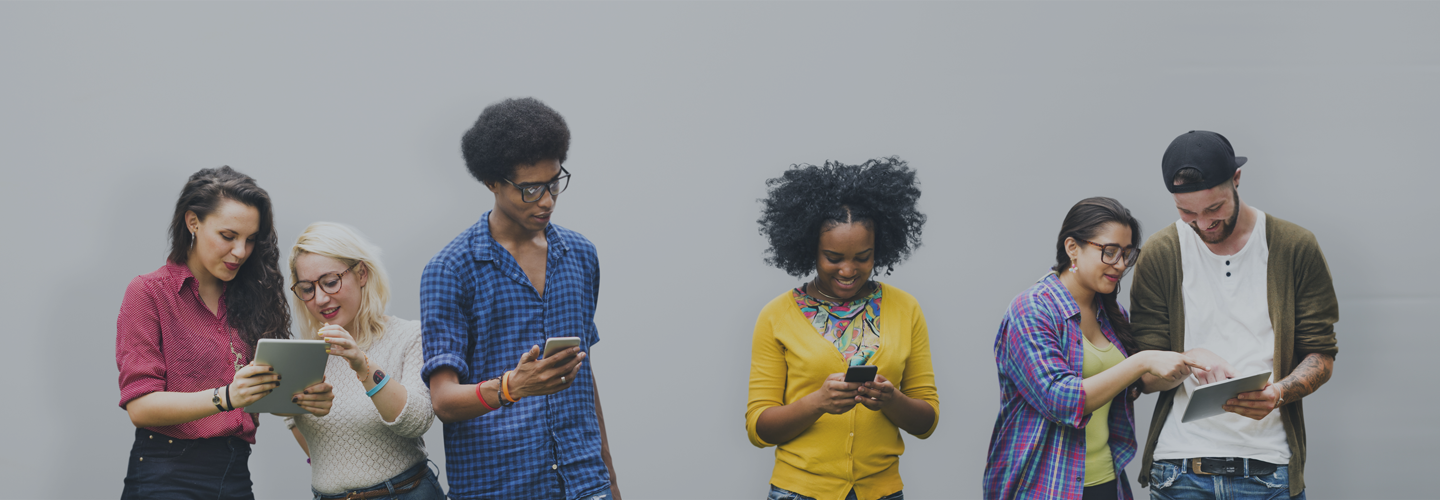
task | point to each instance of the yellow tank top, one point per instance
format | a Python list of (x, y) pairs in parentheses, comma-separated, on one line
[(1099, 464)]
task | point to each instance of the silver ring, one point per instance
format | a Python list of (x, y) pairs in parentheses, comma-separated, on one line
[(562, 379)]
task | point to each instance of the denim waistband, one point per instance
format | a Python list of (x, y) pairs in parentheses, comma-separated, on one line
[(419, 468)]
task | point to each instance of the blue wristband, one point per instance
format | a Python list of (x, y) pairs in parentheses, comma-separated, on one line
[(381, 385)]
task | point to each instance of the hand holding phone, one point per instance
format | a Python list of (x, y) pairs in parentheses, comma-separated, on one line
[(557, 344), (861, 373)]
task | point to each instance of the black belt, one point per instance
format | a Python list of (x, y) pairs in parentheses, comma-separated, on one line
[(1227, 466)]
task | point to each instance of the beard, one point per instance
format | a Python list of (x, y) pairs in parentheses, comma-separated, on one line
[(1227, 226)]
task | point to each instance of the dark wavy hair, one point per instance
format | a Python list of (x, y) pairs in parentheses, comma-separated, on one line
[(255, 299), (807, 199), (1084, 222), (513, 132)]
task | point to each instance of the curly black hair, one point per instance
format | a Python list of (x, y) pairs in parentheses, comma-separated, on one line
[(255, 298), (513, 132), (807, 199)]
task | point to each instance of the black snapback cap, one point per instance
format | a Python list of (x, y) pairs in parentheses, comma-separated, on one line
[(1206, 151)]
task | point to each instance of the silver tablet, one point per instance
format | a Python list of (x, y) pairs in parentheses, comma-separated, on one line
[(300, 363), (1208, 400)]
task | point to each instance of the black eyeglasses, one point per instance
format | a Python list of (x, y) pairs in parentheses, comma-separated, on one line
[(329, 282), (531, 193), (1111, 253)]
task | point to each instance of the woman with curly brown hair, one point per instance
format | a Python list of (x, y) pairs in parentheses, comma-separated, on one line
[(184, 340), (836, 439)]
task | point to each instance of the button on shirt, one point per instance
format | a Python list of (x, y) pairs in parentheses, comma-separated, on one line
[(167, 340), (1037, 449), (479, 313)]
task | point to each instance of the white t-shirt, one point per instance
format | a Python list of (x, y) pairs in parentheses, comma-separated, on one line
[(1228, 312)]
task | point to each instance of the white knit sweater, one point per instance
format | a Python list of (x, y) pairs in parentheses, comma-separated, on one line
[(352, 447)]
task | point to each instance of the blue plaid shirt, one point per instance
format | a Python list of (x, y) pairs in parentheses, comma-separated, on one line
[(479, 313)]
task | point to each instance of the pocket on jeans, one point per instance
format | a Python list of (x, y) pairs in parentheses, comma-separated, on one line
[(161, 448), (1279, 479), (782, 494), (1163, 474)]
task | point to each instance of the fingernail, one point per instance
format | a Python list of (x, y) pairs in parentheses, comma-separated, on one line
[(295, 399)]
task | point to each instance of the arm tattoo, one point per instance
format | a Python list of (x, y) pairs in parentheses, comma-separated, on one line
[(1308, 376), (379, 375)]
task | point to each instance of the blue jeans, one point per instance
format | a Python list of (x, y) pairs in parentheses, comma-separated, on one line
[(166, 467), (781, 494), (1170, 482), (428, 489)]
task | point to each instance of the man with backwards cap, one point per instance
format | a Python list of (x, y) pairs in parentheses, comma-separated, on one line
[(1243, 292)]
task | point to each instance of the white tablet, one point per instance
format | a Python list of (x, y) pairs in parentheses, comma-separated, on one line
[(1208, 400), (300, 363)]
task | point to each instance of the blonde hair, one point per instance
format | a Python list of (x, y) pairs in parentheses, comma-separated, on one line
[(343, 243)]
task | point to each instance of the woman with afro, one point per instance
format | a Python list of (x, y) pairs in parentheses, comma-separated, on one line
[(835, 439)]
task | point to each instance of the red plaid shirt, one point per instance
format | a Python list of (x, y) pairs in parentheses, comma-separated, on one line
[(167, 340)]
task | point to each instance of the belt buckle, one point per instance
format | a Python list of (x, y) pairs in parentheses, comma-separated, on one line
[(1195, 467), (354, 495)]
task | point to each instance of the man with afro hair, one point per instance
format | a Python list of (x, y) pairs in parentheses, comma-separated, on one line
[(532, 428)]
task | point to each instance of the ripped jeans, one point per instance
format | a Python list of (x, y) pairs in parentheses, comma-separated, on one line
[(1170, 482)]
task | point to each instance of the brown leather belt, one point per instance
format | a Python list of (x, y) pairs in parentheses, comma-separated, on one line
[(404, 486)]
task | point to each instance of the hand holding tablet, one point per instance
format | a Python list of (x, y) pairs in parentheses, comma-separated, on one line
[(299, 367), (1214, 399)]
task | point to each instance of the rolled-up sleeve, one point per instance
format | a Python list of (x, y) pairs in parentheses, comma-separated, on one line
[(417, 415), (1033, 357), (444, 319), (767, 377), (138, 352)]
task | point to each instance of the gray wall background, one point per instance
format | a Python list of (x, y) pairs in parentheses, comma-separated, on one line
[(1010, 112)]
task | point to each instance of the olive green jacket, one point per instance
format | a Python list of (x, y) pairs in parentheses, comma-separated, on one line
[(1303, 312)]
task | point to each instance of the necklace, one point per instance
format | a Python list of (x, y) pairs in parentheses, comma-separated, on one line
[(816, 287), (237, 355)]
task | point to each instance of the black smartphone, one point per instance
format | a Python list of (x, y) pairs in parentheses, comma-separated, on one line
[(861, 373)]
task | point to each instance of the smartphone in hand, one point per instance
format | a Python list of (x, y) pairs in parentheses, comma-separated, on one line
[(861, 373), (557, 344)]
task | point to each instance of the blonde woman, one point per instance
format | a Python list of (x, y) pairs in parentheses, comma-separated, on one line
[(370, 442)]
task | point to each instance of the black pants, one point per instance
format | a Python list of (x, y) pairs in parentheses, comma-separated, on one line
[(1103, 491), (166, 467)]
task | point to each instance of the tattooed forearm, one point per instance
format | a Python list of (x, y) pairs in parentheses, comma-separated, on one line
[(1308, 376)]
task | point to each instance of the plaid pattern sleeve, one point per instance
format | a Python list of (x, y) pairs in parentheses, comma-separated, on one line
[(1037, 449), (479, 313)]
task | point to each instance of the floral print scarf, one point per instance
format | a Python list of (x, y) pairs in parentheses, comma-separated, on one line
[(854, 326)]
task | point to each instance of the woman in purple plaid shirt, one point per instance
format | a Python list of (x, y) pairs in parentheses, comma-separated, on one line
[(1067, 425)]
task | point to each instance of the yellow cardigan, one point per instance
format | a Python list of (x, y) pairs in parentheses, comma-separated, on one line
[(859, 449)]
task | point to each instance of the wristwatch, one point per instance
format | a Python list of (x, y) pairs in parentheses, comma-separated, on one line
[(215, 400)]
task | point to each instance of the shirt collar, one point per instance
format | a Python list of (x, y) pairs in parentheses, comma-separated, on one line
[(1068, 306), (483, 245), (179, 273)]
